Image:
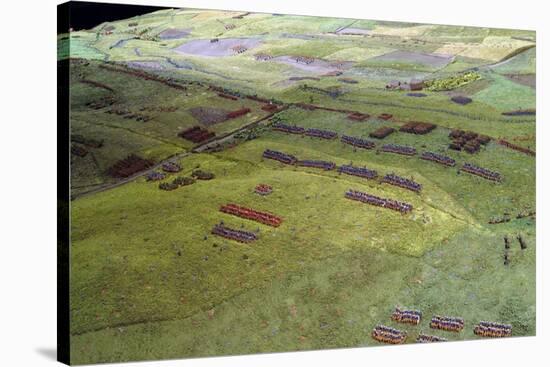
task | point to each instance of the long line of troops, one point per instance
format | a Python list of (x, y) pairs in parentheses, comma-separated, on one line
[(388, 148), (390, 335)]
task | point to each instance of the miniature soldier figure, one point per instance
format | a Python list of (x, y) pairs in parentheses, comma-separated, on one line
[(522, 242), (506, 243)]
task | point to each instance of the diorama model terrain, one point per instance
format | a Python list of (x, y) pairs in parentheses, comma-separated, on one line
[(248, 183)]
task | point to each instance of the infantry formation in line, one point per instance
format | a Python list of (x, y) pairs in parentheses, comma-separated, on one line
[(404, 208), (402, 182), (255, 215), (407, 316), (234, 234), (390, 335)]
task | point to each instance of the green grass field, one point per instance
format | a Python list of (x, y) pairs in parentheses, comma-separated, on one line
[(149, 280)]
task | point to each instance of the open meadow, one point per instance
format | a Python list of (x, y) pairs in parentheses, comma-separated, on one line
[(371, 165)]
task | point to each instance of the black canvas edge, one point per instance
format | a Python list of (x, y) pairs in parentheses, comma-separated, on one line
[(63, 197)]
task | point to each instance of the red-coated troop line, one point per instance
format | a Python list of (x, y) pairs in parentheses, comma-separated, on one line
[(247, 213)]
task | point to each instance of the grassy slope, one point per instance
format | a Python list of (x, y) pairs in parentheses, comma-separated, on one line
[(335, 267)]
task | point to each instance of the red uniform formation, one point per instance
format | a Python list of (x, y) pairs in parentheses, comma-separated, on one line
[(196, 134), (482, 172), (447, 323), (407, 316), (377, 201), (493, 329), (263, 189), (129, 166), (389, 335), (234, 234), (247, 213)]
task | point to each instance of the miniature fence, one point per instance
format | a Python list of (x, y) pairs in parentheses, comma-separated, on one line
[(407, 316), (279, 156), (438, 158), (357, 142), (398, 149), (228, 96), (377, 201), (385, 116), (389, 335), (516, 147), (447, 323), (358, 171), (356, 116), (423, 338), (238, 113), (482, 172), (243, 212), (402, 182), (327, 166), (323, 134), (234, 234), (493, 329)]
